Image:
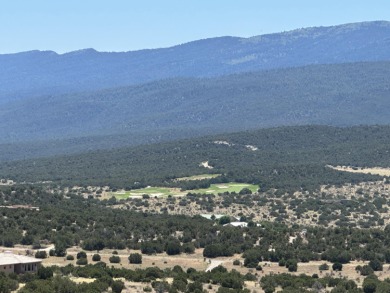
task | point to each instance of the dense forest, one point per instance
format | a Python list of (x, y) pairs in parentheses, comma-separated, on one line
[(340, 95), (288, 158)]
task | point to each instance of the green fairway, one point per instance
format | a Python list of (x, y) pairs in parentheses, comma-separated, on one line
[(164, 191), (152, 191), (223, 187)]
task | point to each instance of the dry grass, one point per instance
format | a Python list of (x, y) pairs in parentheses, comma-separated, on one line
[(374, 171), (162, 260), (198, 262)]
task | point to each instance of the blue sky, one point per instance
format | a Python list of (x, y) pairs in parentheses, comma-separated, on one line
[(124, 25)]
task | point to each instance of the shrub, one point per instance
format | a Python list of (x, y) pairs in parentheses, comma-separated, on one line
[(376, 265), (292, 265), (117, 286), (115, 259), (188, 248), (135, 258), (282, 262), (245, 191), (365, 270), (69, 257), (236, 262), (337, 266), (81, 254), (115, 252), (96, 257), (41, 254), (224, 220), (173, 248), (323, 267), (45, 273), (82, 262)]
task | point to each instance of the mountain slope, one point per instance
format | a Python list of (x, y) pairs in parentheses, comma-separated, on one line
[(284, 157), (344, 94), (36, 73)]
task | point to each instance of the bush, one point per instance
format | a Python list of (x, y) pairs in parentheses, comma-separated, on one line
[(115, 252), (82, 262), (365, 270), (69, 257), (96, 257), (135, 258), (236, 262), (369, 285), (173, 248), (323, 267), (224, 220), (376, 265), (115, 259), (60, 249), (292, 265), (81, 254), (45, 273), (245, 191), (117, 286), (41, 254), (282, 262), (188, 248), (337, 266), (51, 252), (215, 250)]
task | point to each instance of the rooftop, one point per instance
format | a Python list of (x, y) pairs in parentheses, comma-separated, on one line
[(8, 258)]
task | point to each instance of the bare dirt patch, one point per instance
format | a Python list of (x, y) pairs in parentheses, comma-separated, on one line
[(373, 171), (161, 260)]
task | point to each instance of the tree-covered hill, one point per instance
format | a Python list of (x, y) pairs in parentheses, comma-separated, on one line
[(343, 94), (286, 158), (36, 73)]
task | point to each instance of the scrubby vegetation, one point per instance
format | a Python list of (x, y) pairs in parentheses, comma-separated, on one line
[(287, 158)]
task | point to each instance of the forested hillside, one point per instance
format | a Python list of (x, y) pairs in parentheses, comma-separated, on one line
[(287, 158), (35, 73), (344, 94)]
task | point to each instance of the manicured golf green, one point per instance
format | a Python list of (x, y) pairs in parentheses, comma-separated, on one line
[(230, 187), (164, 191)]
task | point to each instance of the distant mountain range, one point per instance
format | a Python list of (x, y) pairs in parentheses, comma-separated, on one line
[(46, 72), (85, 100), (340, 94)]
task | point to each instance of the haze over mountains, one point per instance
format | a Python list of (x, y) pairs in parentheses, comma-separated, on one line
[(46, 72), (207, 86)]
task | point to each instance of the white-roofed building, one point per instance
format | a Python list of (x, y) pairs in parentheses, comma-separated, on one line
[(237, 224), (20, 264)]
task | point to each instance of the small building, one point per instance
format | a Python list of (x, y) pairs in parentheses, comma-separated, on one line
[(19, 264), (237, 224)]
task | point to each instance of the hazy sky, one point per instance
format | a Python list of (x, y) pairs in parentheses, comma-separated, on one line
[(124, 25)]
